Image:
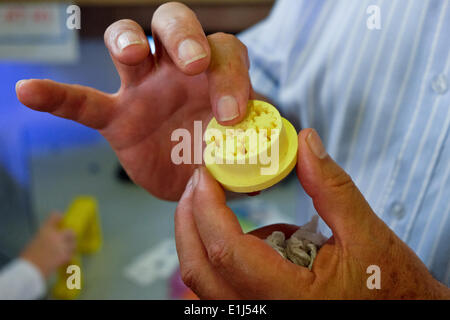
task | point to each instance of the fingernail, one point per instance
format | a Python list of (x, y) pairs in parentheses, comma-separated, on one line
[(19, 83), (195, 178), (316, 145), (190, 185), (227, 109), (127, 39), (190, 51), (187, 189)]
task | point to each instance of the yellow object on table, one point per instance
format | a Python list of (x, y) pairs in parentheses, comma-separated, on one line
[(82, 218), (254, 154)]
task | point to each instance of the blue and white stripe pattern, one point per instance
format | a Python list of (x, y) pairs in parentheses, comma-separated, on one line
[(378, 98)]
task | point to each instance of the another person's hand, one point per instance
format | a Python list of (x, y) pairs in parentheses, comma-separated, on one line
[(51, 247), (189, 78), (219, 261)]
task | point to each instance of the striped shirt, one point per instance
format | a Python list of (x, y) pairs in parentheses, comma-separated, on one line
[(379, 99)]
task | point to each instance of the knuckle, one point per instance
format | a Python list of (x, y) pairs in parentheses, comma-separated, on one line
[(171, 15), (117, 27), (220, 254), (340, 180), (171, 24), (71, 106), (223, 37), (188, 276), (230, 42)]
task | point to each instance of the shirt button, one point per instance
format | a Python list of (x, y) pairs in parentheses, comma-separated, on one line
[(397, 210), (439, 84)]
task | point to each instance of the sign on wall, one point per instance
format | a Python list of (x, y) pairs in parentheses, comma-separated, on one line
[(37, 32)]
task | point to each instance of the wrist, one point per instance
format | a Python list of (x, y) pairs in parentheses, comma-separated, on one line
[(40, 267)]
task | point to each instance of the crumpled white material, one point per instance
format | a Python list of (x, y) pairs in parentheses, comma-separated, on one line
[(301, 248)]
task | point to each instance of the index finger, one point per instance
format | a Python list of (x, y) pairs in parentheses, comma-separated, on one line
[(177, 30)]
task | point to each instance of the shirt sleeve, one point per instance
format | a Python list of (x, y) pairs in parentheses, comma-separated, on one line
[(269, 44), (21, 280)]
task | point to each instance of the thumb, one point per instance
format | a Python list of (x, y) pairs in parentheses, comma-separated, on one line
[(336, 198), (245, 261)]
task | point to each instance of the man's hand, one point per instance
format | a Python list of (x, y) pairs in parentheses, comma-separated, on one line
[(189, 78), (218, 261), (51, 247)]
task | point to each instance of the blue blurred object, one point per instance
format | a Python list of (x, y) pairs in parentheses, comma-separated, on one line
[(23, 130)]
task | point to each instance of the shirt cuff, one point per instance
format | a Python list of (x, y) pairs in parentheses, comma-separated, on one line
[(21, 280)]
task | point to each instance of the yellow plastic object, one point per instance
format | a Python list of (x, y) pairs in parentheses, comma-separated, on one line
[(243, 157), (81, 217)]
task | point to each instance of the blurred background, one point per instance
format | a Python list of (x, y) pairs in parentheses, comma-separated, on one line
[(46, 162)]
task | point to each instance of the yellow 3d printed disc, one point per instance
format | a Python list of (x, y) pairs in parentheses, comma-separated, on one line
[(253, 155)]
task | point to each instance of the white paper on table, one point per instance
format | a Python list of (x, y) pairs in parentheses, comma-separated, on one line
[(159, 262)]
